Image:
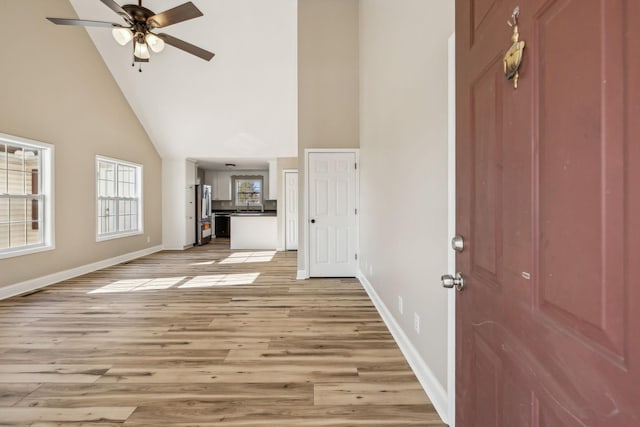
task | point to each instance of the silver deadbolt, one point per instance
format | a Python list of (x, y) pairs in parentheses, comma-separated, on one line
[(457, 243), (448, 281)]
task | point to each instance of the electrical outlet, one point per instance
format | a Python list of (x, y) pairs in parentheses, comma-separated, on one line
[(400, 305), (148, 239), (371, 270), (416, 322)]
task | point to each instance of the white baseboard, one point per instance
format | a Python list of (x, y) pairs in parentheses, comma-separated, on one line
[(41, 282), (302, 275), (434, 389)]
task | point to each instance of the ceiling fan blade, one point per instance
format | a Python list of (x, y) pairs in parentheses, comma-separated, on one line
[(111, 4), (184, 12), (187, 47), (84, 23)]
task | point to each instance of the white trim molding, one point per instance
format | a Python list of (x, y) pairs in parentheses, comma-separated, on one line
[(432, 387), (46, 195), (139, 171), (451, 255), (41, 282), (302, 275)]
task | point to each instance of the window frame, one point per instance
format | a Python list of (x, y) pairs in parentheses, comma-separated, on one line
[(139, 186), (234, 189), (45, 194)]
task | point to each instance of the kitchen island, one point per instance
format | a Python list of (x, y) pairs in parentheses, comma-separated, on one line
[(254, 230)]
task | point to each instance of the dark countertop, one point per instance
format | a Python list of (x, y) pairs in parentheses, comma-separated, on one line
[(250, 214), (245, 213)]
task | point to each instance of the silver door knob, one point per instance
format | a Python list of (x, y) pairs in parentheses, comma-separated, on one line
[(457, 243), (449, 281)]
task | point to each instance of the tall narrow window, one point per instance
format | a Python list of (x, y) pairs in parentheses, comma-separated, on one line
[(119, 190), (26, 183)]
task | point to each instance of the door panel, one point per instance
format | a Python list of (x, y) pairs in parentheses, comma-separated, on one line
[(321, 196), (487, 200), (480, 17), (581, 266), (548, 204), (291, 210), (332, 204), (322, 244), (487, 368), (519, 403), (342, 245), (481, 9)]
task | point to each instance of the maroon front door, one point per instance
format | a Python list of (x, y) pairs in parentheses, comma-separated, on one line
[(548, 196)]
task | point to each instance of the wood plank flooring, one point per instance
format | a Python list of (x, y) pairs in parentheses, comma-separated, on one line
[(204, 337)]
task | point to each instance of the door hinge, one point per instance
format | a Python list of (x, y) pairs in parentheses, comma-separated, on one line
[(356, 257), (356, 211), (355, 166)]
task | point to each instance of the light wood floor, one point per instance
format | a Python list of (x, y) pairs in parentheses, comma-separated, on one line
[(204, 337)]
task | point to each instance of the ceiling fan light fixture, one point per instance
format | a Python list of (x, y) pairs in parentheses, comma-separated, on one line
[(139, 27), (155, 43), (122, 35), (141, 51)]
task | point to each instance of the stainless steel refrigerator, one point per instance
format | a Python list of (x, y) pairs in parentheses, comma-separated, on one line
[(203, 214)]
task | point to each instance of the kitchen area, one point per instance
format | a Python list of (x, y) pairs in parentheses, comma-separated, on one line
[(236, 200)]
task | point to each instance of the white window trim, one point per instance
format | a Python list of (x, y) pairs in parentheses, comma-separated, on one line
[(234, 189), (47, 181), (140, 175)]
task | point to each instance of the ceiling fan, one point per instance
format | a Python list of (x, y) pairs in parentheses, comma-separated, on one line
[(139, 27)]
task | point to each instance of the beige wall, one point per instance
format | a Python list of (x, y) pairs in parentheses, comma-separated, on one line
[(403, 159), (327, 82), (55, 88)]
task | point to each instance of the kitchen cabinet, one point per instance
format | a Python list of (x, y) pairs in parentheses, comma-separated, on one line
[(220, 182), (254, 232), (224, 185)]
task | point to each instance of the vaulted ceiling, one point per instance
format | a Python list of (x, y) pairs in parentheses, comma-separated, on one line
[(241, 104)]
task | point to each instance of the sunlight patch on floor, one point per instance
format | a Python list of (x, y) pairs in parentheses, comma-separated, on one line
[(203, 263), (247, 257), (136, 285), (221, 280)]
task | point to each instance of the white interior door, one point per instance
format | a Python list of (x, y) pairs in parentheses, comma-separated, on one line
[(332, 214), (291, 210)]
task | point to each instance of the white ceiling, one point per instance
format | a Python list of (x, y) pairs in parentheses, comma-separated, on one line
[(241, 104)]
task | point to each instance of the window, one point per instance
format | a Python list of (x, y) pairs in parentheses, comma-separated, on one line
[(25, 196), (248, 191), (119, 191)]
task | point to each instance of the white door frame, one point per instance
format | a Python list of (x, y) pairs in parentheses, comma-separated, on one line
[(305, 214), (451, 228), (284, 205)]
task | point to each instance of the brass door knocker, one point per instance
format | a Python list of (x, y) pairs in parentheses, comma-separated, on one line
[(513, 57)]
